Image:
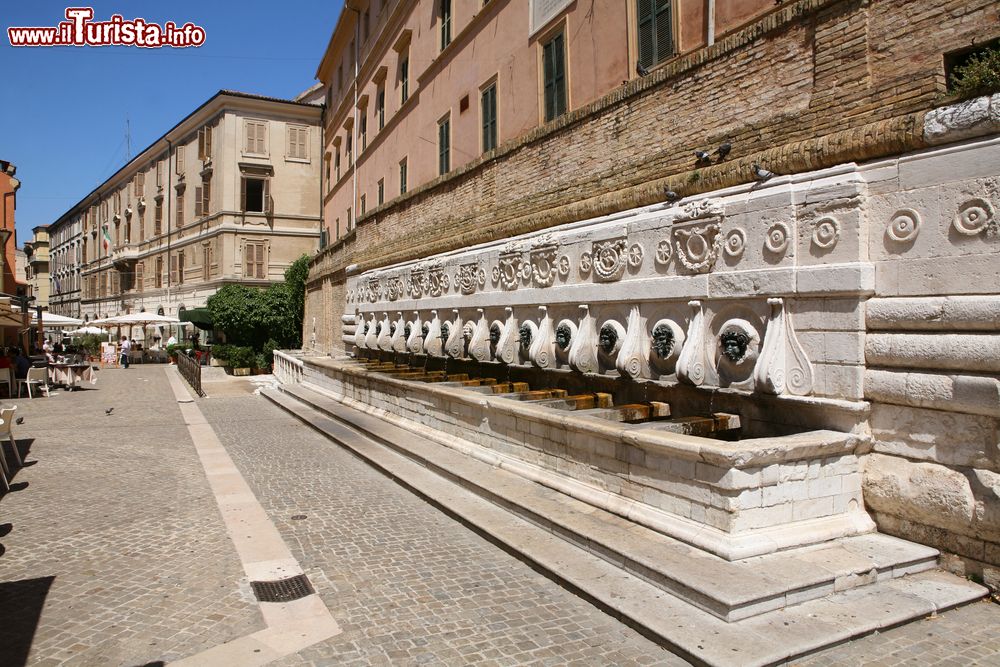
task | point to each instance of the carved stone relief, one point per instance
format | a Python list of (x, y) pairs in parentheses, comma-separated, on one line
[(609, 258), (735, 243), (697, 247), (394, 288), (511, 267), (415, 339), (610, 337), (664, 251), (696, 210), (470, 277), (737, 351), (433, 344), (545, 262), (371, 337), (385, 333), (454, 342), (667, 341), (509, 342), (479, 342), (565, 332), (398, 342)]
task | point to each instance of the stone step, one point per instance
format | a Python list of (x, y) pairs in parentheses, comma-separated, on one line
[(694, 634), (578, 402), (729, 590)]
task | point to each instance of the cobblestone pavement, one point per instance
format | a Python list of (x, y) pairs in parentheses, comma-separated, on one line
[(117, 549), (115, 538)]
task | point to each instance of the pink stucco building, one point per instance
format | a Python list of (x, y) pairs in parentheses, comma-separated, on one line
[(420, 88)]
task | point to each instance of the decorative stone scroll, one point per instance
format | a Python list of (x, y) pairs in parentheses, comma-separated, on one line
[(454, 345), (359, 329), (542, 351), (371, 337), (432, 341), (398, 342), (692, 364), (583, 347), (385, 333), (510, 340), (697, 247), (415, 341), (479, 343), (782, 367), (633, 357)]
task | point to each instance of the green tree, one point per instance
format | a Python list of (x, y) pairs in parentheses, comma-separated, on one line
[(259, 318)]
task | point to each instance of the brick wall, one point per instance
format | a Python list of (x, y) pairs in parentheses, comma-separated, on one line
[(817, 83)]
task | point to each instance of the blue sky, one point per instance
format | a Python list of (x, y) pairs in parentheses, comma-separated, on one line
[(63, 109)]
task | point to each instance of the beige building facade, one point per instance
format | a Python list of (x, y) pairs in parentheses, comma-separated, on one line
[(230, 194), (36, 271)]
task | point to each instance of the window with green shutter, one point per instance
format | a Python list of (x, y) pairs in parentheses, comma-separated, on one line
[(489, 107), (554, 72), (656, 39), (444, 146)]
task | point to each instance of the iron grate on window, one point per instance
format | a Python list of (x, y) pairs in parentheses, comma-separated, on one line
[(282, 590)]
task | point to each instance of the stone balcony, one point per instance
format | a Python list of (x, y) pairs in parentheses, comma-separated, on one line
[(124, 257)]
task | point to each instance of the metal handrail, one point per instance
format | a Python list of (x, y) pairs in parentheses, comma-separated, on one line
[(191, 371)]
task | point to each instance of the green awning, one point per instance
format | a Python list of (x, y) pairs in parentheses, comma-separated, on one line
[(200, 317)]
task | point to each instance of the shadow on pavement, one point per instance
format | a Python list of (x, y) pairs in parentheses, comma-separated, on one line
[(21, 604)]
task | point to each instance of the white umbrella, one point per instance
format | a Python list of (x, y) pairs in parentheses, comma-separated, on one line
[(53, 320), (136, 319), (85, 330)]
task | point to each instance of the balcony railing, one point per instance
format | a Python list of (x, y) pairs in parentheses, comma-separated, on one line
[(125, 255)]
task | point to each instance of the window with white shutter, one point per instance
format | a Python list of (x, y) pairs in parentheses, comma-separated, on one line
[(297, 142), (255, 139)]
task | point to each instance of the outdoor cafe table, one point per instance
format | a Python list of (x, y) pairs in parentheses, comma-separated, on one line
[(70, 375)]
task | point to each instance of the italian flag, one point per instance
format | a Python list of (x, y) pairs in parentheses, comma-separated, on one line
[(106, 238)]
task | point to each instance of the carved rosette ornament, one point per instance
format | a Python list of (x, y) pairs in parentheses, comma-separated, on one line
[(470, 277), (583, 347), (415, 341), (545, 263), (735, 243), (479, 343), (511, 267), (510, 340), (664, 251), (826, 233), (782, 367), (692, 364), (542, 351), (904, 226), (432, 341), (777, 239), (973, 217), (697, 247), (609, 258), (454, 342), (399, 330), (633, 357)]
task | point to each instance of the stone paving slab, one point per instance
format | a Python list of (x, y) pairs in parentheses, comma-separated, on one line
[(116, 545)]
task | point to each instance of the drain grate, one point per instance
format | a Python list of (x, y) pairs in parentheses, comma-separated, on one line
[(282, 590)]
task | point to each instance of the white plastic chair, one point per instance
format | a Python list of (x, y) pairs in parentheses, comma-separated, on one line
[(8, 379), (37, 376), (7, 431)]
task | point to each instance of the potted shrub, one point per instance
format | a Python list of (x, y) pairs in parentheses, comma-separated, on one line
[(262, 364), (220, 354), (241, 360)]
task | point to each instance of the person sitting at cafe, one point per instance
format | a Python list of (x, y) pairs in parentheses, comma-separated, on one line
[(21, 364)]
